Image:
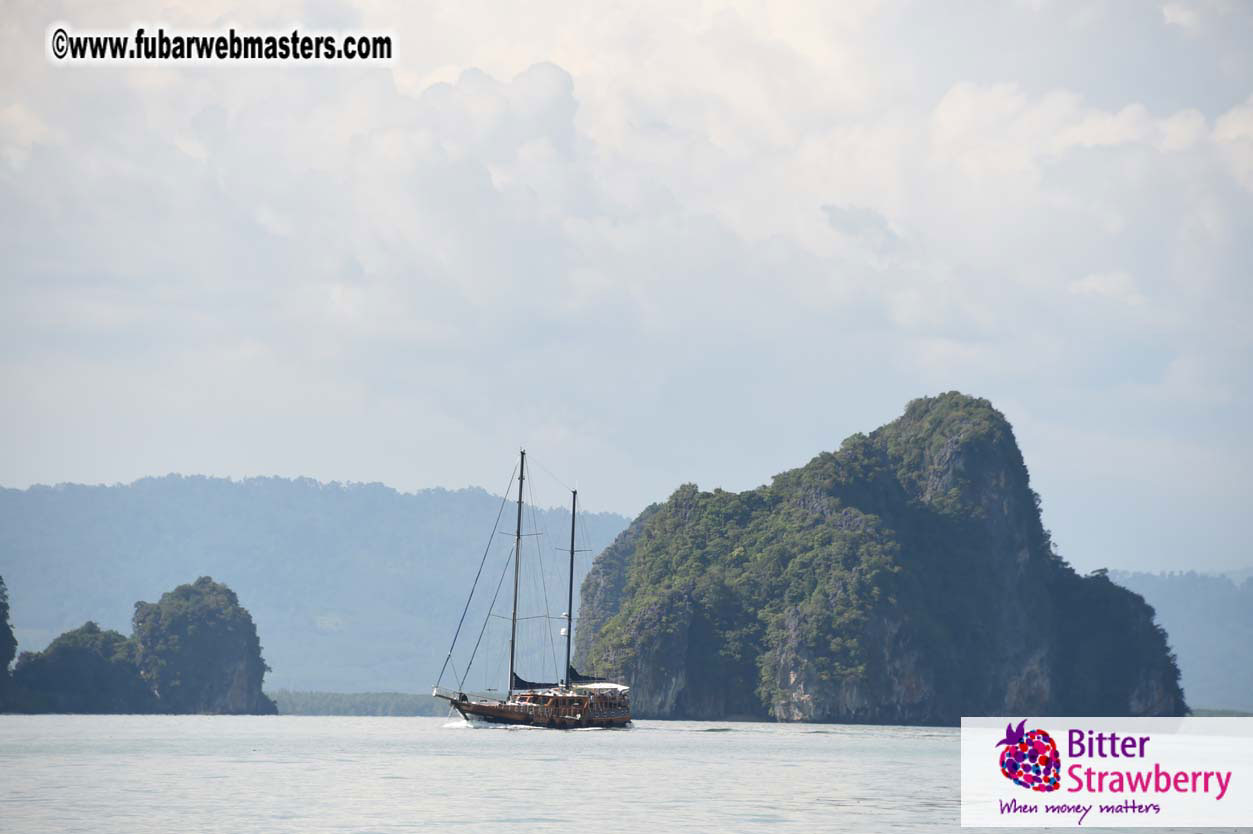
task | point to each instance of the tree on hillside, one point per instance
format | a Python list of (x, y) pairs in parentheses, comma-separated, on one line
[(198, 648), (89, 669)]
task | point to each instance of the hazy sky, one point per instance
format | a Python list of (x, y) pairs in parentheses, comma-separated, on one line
[(655, 243)]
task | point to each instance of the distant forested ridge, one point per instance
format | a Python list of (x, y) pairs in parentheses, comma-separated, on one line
[(905, 578), (1210, 622), (353, 587), (194, 651), (356, 703)]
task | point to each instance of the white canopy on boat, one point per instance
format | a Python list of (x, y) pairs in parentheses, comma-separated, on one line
[(602, 686)]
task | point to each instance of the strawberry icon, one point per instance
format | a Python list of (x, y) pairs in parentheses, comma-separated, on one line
[(1030, 758)]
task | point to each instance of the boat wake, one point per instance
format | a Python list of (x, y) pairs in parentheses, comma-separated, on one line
[(466, 724)]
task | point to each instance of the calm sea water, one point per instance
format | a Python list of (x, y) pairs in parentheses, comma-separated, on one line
[(137, 774)]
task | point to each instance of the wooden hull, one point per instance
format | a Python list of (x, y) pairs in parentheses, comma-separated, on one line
[(541, 716)]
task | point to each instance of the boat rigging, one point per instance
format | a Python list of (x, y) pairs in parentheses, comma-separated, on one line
[(574, 702)]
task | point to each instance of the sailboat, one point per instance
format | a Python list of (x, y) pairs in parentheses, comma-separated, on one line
[(578, 701)]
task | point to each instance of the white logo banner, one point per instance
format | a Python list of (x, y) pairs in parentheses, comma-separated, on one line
[(1042, 772)]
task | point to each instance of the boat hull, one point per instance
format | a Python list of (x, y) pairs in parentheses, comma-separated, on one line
[(540, 716)]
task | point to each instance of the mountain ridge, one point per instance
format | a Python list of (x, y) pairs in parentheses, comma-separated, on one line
[(1210, 620), (352, 587)]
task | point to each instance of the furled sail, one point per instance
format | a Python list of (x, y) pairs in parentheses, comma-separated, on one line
[(522, 683), (575, 678)]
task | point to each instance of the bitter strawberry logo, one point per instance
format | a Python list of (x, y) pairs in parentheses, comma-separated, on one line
[(1030, 758)]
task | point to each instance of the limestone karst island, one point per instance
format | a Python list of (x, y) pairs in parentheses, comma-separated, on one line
[(905, 578)]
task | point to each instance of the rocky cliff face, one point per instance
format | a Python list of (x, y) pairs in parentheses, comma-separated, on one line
[(905, 578)]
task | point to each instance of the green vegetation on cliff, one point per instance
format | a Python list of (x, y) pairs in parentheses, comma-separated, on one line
[(88, 669), (904, 578), (199, 650), (8, 646), (195, 651)]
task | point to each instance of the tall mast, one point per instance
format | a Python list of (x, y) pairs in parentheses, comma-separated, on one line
[(574, 506), (517, 557)]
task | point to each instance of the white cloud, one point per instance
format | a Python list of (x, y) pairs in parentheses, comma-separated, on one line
[(20, 131), (864, 225), (1233, 132), (1181, 131), (624, 227), (1181, 14), (1115, 286)]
